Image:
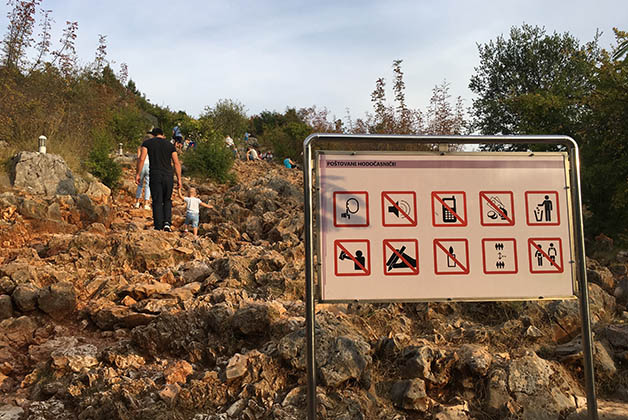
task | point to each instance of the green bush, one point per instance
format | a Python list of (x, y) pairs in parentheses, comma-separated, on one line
[(210, 159), (100, 164), (129, 126)]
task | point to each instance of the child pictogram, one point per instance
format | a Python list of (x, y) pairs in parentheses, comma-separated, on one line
[(399, 208), (351, 209), (352, 257), (401, 257), (451, 256), (499, 255), (497, 208), (542, 208), (546, 255), (449, 208)]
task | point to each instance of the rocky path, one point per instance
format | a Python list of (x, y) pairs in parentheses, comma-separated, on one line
[(102, 317)]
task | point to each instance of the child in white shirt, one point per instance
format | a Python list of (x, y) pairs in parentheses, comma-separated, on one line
[(193, 210)]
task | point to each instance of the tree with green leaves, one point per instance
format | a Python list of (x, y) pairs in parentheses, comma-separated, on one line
[(604, 145), (532, 83), (226, 118)]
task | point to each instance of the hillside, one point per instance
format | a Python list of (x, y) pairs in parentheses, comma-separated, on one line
[(102, 317)]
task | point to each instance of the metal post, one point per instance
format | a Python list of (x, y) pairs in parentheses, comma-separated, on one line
[(309, 283), (587, 336)]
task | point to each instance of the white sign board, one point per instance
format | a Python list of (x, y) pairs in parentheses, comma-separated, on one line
[(466, 226)]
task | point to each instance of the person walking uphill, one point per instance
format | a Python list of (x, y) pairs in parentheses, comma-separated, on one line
[(163, 157)]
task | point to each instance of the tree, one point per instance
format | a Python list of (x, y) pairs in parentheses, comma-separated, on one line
[(443, 118), (226, 118), (604, 146), (532, 83), (19, 35)]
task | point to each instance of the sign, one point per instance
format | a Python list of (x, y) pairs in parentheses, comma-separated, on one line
[(497, 208), (449, 208), (499, 256), (351, 208), (408, 226), (399, 208), (451, 256), (546, 255), (352, 257), (542, 208), (401, 257)]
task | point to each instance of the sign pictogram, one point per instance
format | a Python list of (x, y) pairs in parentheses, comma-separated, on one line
[(401, 257), (451, 256), (449, 208), (351, 208), (542, 208), (546, 255), (497, 208), (399, 208), (499, 256), (352, 257)]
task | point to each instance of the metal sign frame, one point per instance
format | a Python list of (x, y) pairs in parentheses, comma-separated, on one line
[(575, 218)]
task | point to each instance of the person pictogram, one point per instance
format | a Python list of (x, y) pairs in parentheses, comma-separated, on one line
[(352, 206), (551, 251), (546, 206), (358, 261), (539, 256)]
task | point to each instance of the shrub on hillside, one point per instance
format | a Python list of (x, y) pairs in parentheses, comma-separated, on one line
[(210, 159), (100, 164)]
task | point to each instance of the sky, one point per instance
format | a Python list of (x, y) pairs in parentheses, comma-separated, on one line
[(272, 54)]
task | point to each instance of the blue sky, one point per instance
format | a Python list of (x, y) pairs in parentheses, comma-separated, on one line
[(273, 54)]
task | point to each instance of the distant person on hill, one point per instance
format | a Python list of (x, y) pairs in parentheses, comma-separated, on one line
[(193, 210), (246, 137), (144, 181), (163, 156), (229, 142), (177, 135), (251, 154), (288, 163)]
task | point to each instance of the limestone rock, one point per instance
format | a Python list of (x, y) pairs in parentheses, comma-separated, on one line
[(476, 358), (347, 359), (6, 307), (57, 300), (11, 412), (617, 335), (43, 174), (428, 362), (529, 381), (98, 192), (75, 358), (178, 372), (257, 318), (410, 395), (25, 297)]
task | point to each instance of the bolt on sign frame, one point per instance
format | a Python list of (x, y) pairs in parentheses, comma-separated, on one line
[(321, 253)]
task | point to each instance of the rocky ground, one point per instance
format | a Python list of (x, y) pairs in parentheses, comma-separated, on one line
[(102, 317)]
